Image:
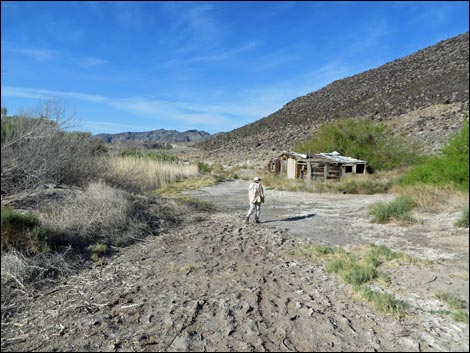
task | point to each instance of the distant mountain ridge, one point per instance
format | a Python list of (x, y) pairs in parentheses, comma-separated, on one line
[(424, 95), (161, 135)]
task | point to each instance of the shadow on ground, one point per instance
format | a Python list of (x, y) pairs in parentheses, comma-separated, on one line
[(290, 219)]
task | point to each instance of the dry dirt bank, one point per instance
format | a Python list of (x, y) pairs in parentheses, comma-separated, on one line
[(215, 284)]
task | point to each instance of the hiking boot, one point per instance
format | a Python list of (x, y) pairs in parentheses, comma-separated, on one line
[(257, 221)]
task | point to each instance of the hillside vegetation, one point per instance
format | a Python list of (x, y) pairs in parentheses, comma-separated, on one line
[(366, 140), (452, 166), (69, 201), (425, 93)]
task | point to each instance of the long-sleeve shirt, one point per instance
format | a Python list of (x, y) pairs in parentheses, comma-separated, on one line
[(255, 192)]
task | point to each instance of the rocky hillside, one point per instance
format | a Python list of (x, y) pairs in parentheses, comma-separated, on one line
[(162, 135), (424, 95)]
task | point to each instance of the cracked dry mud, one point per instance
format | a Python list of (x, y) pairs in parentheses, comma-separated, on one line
[(216, 284)]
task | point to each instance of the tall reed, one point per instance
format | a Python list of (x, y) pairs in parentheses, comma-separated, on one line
[(149, 174)]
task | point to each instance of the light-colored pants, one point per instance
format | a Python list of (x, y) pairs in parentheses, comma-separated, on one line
[(254, 206)]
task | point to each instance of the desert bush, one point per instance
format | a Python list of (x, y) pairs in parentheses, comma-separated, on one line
[(23, 232), (363, 184), (398, 209), (130, 152), (97, 250), (433, 198), (36, 150), (106, 215), (204, 167), (98, 214), (451, 167), (364, 139)]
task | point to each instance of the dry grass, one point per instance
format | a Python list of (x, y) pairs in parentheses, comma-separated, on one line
[(432, 198), (145, 174), (21, 274), (96, 214), (352, 184)]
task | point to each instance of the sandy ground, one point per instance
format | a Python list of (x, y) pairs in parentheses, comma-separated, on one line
[(216, 284)]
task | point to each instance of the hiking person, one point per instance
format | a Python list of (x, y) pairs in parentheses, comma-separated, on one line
[(256, 197)]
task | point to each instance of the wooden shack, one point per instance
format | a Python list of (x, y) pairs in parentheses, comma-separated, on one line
[(320, 166)]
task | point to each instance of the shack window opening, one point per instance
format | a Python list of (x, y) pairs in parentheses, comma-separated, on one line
[(360, 168), (348, 169)]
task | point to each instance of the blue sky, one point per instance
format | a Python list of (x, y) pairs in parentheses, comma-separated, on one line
[(212, 66)]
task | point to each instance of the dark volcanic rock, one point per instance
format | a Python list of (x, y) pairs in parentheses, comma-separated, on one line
[(435, 76)]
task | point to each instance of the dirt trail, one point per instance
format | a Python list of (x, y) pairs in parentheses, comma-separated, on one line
[(215, 284)]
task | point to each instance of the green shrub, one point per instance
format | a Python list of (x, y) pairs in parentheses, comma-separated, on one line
[(23, 232), (130, 152), (97, 250), (153, 155), (161, 156), (452, 167), (203, 167), (367, 186), (398, 209), (364, 139)]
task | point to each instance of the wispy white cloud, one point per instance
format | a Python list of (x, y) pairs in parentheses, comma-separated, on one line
[(215, 56), (53, 55), (232, 110), (276, 8), (91, 61), (128, 15), (107, 127), (65, 30), (36, 93), (326, 74), (436, 12), (155, 110), (37, 54), (193, 26)]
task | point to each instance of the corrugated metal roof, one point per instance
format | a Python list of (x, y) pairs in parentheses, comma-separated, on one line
[(336, 157), (331, 156)]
